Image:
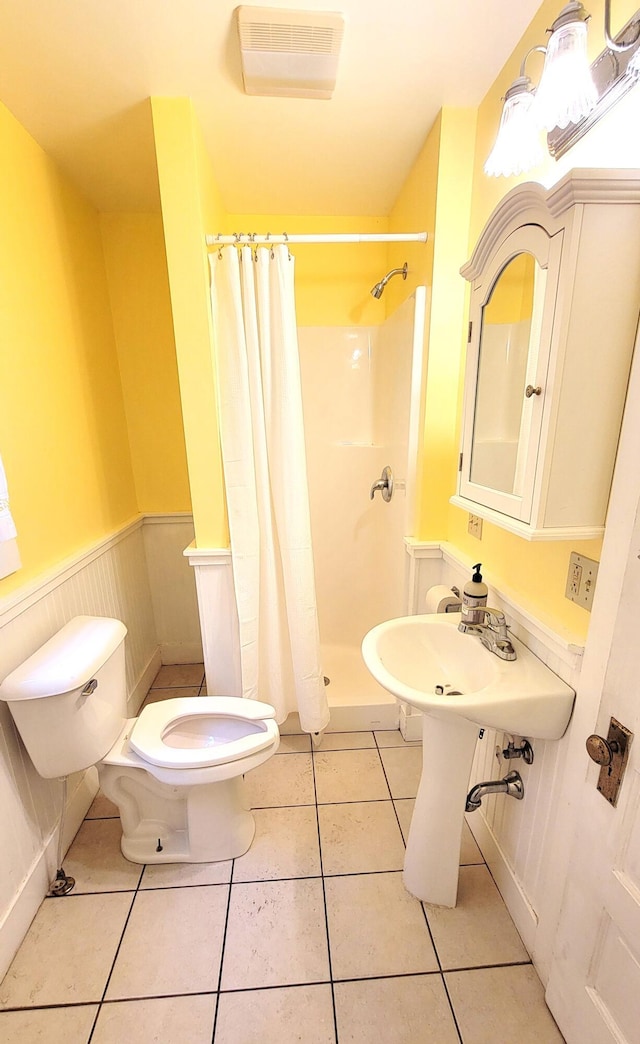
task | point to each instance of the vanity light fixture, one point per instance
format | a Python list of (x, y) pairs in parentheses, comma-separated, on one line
[(517, 147), (572, 95), (566, 91)]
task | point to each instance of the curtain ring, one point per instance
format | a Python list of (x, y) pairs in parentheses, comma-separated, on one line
[(286, 239)]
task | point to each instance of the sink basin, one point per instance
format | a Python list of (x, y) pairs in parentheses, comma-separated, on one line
[(459, 685), (427, 662)]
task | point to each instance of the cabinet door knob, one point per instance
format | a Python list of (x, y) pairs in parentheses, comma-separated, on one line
[(530, 390)]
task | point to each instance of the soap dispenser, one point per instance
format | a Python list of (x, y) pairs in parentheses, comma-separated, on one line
[(474, 598)]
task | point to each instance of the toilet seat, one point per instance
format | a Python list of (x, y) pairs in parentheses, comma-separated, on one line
[(202, 731)]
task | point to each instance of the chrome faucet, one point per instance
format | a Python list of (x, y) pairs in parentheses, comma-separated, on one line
[(491, 627)]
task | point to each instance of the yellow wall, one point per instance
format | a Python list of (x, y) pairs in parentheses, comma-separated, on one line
[(63, 435), (333, 281), (536, 572), (141, 309), (437, 197), (190, 205)]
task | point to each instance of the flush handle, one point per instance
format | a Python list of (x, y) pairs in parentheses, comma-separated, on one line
[(90, 687)]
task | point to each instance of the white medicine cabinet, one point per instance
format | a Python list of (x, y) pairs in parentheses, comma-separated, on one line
[(555, 295)]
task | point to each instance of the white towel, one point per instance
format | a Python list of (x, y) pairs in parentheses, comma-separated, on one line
[(7, 527)]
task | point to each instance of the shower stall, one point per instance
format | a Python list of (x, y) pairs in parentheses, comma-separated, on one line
[(362, 391)]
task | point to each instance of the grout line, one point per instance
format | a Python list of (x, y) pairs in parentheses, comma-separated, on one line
[(115, 956), (222, 949), (485, 967), (326, 915)]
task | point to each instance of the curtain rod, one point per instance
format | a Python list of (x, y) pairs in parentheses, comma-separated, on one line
[(254, 238)]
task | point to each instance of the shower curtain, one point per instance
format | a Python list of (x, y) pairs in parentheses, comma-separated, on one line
[(262, 435)]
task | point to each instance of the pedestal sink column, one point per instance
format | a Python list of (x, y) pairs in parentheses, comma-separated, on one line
[(433, 850)]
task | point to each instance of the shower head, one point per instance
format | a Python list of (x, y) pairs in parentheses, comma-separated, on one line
[(379, 287)]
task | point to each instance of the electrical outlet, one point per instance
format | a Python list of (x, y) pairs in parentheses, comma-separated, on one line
[(474, 526), (581, 580)]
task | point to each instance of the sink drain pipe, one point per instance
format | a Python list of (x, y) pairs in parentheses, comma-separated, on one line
[(511, 784)]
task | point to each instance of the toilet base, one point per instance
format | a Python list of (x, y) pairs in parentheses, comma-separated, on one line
[(161, 823)]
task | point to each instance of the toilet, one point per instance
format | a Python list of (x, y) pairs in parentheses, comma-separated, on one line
[(175, 772)]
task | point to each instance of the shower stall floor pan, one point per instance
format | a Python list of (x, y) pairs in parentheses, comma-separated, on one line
[(356, 702)]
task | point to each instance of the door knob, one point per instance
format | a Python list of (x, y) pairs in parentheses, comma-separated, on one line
[(531, 390), (611, 755), (601, 750)]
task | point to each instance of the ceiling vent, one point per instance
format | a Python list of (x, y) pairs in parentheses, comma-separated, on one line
[(289, 54)]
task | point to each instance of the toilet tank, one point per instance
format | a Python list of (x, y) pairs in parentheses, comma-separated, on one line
[(68, 699)]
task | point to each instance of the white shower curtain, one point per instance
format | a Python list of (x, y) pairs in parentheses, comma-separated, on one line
[(265, 472)]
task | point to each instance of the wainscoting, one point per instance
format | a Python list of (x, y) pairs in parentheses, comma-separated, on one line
[(139, 576), (521, 841)]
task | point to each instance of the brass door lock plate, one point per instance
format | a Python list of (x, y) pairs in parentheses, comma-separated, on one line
[(611, 754)]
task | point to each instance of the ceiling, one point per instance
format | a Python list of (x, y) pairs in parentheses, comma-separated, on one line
[(77, 73)]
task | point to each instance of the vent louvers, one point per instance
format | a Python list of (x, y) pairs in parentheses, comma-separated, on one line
[(289, 53)]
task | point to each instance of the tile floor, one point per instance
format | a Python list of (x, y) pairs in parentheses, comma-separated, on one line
[(309, 937)]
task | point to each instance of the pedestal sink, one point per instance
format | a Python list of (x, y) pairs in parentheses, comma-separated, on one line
[(460, 686)]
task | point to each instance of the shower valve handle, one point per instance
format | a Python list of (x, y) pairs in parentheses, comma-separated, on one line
[(384, 484)]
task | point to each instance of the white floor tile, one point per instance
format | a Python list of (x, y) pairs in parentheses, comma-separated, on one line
[(165, 1020), (96, 862), (68, 951), (280, 1016), (376, 928), (281, 781), (478, 930), (102, 808), (346, 741), (502, 1004), (403, 767), (176, 693), (179, 674), (48, 1025), (294, 744), (349, 775), (360, 837), (179, 875), (276, 935), (408, 1010), (172, 943), (285, 845), (394, 738)]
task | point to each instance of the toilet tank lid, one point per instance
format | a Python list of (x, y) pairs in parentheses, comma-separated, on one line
[(67, 661)]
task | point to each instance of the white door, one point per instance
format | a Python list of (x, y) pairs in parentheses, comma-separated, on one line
[(594, 984)]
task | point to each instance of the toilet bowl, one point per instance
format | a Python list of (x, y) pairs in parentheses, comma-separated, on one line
[(176, 773)]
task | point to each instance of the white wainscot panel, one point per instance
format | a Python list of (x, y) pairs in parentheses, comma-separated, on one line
[(521, 840), (108, 580), (173, 588)]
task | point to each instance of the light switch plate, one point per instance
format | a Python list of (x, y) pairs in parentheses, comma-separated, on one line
[(581, 580)]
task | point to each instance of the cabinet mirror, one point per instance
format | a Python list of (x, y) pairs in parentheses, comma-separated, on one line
[(507, 363)]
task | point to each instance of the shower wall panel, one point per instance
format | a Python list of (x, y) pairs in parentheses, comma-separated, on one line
[(356, 392)]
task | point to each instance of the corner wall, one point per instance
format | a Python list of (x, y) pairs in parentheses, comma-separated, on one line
[(63, 434)]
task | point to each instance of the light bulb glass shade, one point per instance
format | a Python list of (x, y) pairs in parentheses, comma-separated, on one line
[(566, 92), (517, 147)]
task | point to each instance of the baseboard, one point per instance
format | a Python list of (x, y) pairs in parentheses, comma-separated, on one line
[(35, 886), (522, 913), (136, 698)]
